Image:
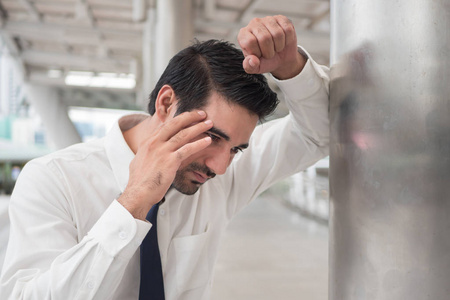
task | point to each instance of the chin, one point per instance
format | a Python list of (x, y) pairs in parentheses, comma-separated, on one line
[(186, 189)]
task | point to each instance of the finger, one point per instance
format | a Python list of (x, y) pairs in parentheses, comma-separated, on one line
[(265, 40), (186, 135), (175, 125), (251, 64), (276, 32), (192, 148), (248, 42), (288, 28)]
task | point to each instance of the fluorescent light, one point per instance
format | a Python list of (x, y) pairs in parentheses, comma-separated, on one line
[(121, 83), (53, 73), (77, 80), (103, 79)]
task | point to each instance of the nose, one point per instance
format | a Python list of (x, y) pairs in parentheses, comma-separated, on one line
[(219, 160)]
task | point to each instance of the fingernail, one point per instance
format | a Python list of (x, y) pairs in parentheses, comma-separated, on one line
[(201, 113), (208, 122), (251, 63)]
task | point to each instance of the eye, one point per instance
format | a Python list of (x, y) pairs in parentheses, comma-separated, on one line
[(236, 150), (213, 137)]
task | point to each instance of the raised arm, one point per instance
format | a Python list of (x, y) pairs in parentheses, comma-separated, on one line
[(281, 147)]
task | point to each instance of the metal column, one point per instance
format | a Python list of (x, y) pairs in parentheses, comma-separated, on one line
[(390, 150)]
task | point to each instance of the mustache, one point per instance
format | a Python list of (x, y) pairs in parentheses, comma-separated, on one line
[(202, 169)]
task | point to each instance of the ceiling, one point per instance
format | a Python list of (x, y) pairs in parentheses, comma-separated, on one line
[(52, 38)]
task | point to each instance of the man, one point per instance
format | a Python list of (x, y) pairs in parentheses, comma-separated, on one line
[(78, 216)]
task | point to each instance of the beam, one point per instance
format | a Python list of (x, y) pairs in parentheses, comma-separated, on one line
[(199, 23), (75, 62), (71, 29), (252, 5), (32, 10), (290, 15), (57, 34), (41, 78)]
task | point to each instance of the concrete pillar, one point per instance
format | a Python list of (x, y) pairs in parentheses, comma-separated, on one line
[(53, 113), (390, 150), (148, 80), (174, 30)]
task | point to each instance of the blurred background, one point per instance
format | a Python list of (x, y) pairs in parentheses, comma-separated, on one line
[(70, 68)]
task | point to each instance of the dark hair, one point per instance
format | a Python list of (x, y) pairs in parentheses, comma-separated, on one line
[(209, 66)]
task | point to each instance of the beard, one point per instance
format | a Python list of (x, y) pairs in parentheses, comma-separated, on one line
[(188, 186)]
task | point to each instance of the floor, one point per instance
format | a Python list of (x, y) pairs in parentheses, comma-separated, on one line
[(271, 252)]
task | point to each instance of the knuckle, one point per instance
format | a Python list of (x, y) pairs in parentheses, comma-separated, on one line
[(176, 139), (161, 126), (148, 145), (281, 18), (271, 20), (278, 34), (263, 36), (181, 134), (182, 152), (247, 42), (256, 20), (180, 155), (242, 33), (288, 28)]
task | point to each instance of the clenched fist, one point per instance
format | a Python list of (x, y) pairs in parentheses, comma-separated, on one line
[(270, 46)]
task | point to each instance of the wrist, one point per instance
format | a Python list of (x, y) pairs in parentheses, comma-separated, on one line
[(292, 68), (136, 204)]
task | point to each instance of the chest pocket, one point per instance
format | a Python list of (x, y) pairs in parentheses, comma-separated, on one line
[(192, 263)]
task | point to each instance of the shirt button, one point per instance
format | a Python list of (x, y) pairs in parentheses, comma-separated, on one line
[(162, 211), (122, 235), (90, 285)]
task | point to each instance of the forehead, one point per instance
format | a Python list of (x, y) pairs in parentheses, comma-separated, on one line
[(235, 120)]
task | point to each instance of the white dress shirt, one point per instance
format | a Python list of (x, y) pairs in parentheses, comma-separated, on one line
[(70, 238)]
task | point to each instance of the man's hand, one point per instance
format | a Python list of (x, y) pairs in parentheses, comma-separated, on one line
[(158, 158), (270, 45)]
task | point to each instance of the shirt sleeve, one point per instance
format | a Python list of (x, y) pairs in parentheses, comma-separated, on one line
[(285, 146), (45, 259)]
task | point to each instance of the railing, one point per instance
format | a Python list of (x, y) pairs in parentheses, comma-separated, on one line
[(307, 192)]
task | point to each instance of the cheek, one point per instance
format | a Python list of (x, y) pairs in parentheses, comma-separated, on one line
[(196, 157)]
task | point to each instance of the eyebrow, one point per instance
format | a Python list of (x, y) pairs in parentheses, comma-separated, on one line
[(219, 133), (225, 136)]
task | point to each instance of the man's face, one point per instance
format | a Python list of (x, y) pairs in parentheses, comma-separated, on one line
[(233, 126)]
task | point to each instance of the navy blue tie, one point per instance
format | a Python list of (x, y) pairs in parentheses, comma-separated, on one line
[(152, 284)]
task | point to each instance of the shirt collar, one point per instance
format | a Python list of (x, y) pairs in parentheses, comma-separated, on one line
[(117, 150)]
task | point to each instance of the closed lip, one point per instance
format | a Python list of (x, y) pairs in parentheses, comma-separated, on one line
[(201, 178)]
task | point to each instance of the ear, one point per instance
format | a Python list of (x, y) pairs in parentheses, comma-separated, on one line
[(166, 103)]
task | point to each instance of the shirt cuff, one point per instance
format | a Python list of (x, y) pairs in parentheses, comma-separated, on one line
[(118, 232), (302, 86)]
